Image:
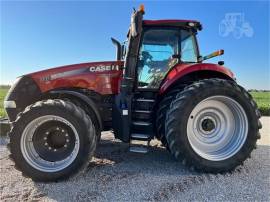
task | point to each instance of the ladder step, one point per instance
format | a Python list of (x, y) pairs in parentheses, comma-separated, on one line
[(140, 136), (141, 123), (143, 111), (138, 149), (145, 100)]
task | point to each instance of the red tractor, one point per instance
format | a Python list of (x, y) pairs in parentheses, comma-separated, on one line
[(158, 87)]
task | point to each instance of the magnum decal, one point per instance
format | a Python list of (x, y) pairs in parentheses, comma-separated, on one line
[(98, 68)]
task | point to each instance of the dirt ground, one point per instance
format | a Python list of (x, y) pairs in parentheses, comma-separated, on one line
[(118, 175)]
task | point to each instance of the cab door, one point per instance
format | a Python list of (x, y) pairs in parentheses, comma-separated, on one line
[(159, 52)]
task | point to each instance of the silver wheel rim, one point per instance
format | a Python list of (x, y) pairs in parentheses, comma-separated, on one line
[(217, 128), (33, 158)]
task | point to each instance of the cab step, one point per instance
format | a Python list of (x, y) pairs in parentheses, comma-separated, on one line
[(142, 127), (141, 123), (138, 149), (143, 111), (139, 142), (140, 136), (142, 115), (144, 100)]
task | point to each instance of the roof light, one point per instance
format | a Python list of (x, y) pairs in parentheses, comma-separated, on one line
[(191, 24)]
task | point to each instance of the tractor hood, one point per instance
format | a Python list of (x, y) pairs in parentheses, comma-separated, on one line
[(101, 77)]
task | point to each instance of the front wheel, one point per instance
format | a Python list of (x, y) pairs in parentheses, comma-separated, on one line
[(51, 140), (213, 125)]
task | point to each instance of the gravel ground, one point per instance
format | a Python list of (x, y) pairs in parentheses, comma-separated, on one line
[(118, 175)]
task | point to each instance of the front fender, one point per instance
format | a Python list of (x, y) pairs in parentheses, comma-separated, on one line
[(88, 101)]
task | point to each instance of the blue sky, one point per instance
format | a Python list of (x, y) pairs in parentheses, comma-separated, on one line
[(40, 35)]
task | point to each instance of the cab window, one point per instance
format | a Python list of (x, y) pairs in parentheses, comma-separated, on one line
[(158, 53), (188, 47)]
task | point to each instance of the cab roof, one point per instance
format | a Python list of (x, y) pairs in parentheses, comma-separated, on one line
[(175, 23)]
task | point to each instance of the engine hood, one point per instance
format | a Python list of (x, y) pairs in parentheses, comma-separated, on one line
[(73, 69), (91, 75)]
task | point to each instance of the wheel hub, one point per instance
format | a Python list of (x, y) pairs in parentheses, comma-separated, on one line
[(208, 125), (54, 141), (56, 138)]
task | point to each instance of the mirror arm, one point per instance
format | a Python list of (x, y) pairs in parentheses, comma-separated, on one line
[(214, 54)]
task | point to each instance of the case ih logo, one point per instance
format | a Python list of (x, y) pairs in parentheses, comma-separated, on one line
[(102, 68)]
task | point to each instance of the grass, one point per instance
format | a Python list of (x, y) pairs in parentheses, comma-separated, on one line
[(3, 92), (262, 99)]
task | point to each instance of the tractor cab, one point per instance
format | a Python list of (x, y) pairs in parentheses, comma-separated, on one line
[(162, 47), (154, 48)]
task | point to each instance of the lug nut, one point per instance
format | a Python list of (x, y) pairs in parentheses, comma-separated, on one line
[(63, 131), (67, 140), (50, 148), (66, 135), (47, 133), (55, 150), (45, 138), (65, 145), (46, 144), (57, 128)]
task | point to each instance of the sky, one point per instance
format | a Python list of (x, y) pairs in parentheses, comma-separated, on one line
[(37, 35)]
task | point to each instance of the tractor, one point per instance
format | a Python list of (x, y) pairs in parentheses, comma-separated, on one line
[(158, 87)]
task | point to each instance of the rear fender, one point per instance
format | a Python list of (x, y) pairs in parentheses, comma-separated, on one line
[(181, 70)]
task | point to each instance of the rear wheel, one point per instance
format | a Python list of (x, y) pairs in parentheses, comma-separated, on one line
[(212, 130), (163, 107), (51, 140)]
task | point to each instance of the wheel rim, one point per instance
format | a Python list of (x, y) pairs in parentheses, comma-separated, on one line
[(217, 128), (50, 143)]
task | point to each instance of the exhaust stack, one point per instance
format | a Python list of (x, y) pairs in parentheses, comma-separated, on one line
[(118, 48)]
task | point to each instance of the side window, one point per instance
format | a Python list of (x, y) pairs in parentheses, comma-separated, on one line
[(155, 58), (188, 48)]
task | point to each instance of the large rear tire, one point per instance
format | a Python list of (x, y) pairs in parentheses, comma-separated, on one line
[(212, 125), (52, 140), (163, 107)]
